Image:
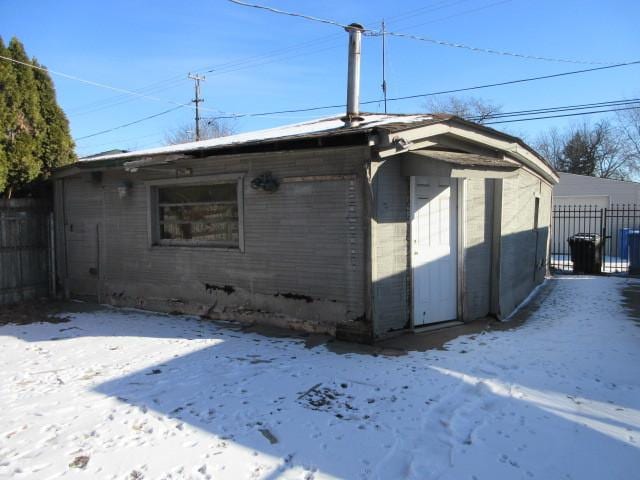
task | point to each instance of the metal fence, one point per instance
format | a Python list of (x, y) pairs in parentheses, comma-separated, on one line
[(26, 250), (591, 239)]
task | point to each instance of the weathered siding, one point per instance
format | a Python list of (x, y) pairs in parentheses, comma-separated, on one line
[(391, 269), (24, 250), (82, 212), (389, 234), (478, 247), (522, 247), (303, 263)]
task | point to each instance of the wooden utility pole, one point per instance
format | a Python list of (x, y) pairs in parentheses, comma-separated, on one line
[(197, 100), (384, 76)]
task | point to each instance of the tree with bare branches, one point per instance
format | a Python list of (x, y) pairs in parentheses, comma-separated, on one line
[(186, 133), (470, 108), (629, 125), (597, 150)]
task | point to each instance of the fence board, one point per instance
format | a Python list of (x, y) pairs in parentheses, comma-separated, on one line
[(25, 264)]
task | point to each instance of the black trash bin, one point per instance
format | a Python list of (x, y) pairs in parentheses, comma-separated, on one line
[(585, 253)]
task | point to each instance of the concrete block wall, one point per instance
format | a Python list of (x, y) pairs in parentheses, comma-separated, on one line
[(389, 233), (522, 246), (478, 247), (303, 264)]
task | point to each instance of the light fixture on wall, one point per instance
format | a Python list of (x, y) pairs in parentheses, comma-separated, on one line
[(265, 182), (400, 143), (124, 188)]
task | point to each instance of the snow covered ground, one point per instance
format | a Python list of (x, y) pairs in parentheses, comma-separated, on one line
[(125, 394), (610, 265)]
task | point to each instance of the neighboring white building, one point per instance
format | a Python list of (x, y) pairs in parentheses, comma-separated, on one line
[(579, 202), (602, 192)]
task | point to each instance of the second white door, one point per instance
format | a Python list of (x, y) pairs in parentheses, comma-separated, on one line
[(434, 249)]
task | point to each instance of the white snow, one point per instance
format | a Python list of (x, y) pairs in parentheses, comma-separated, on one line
[(152, 396), (611, 264), (293, 130)]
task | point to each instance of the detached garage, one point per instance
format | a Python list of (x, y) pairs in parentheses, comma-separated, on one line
[(361, 229)]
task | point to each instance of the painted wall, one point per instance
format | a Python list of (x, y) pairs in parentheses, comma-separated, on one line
[(523, 248), (478, 247), (307, 246), (390, 263), (604, 192), (303, 264), (389, 237)]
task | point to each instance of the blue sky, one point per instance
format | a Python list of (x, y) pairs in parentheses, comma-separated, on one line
[(267, 62)]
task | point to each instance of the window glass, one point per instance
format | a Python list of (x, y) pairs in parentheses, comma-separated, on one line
[(198, 214)]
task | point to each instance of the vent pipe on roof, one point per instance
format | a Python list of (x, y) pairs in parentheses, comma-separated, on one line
[(353, 118)]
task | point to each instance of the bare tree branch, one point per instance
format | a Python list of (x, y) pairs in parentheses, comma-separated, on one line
[(599, 149), (208, 129), (469, 108)]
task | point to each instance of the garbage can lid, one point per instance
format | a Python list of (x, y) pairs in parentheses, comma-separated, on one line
[(586, 236)]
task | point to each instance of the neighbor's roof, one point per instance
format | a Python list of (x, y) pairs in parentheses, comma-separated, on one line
[(319, 127)]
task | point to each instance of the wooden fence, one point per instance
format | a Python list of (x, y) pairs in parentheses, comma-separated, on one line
[(25, 250)]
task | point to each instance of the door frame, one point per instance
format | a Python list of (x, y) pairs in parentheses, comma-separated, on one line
[(460, 242)]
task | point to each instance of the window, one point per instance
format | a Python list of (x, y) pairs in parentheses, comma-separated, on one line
[(202, 214)]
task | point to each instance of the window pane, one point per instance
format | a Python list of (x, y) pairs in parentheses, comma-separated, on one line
[(199, 213), (198, 193), (223, 232)]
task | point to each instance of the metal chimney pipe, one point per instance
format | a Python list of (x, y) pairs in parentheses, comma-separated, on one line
[(353, 117)]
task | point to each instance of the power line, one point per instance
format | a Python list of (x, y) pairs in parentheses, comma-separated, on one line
[(87, 146), (129, 124), (291, 14), (622, 102), (489, 50), (564, 115), (427, 9), (407, 97), (218, 69), (458, 14), (370, 32), (98, 84), (253, 61), (511, 82), (117, 100), (566, 108), (430, 94)]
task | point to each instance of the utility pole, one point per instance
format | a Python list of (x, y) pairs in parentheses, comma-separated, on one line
[(384, 76), (197, 100)]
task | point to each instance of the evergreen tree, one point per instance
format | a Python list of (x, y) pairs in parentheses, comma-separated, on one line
[(5, 75), (56, 145), (579, 155), (25, 122), (34, 132)]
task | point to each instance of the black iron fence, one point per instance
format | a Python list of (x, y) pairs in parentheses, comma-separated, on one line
[(592, 239)]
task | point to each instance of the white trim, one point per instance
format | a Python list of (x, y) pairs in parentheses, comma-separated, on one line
[(459, 186), (412, 201), (461, 234), (197, 180), (414, 137)]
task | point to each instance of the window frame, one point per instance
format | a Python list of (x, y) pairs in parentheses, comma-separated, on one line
[(153, 222)]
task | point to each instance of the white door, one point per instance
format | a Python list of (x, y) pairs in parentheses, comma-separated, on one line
[(434, 249)]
